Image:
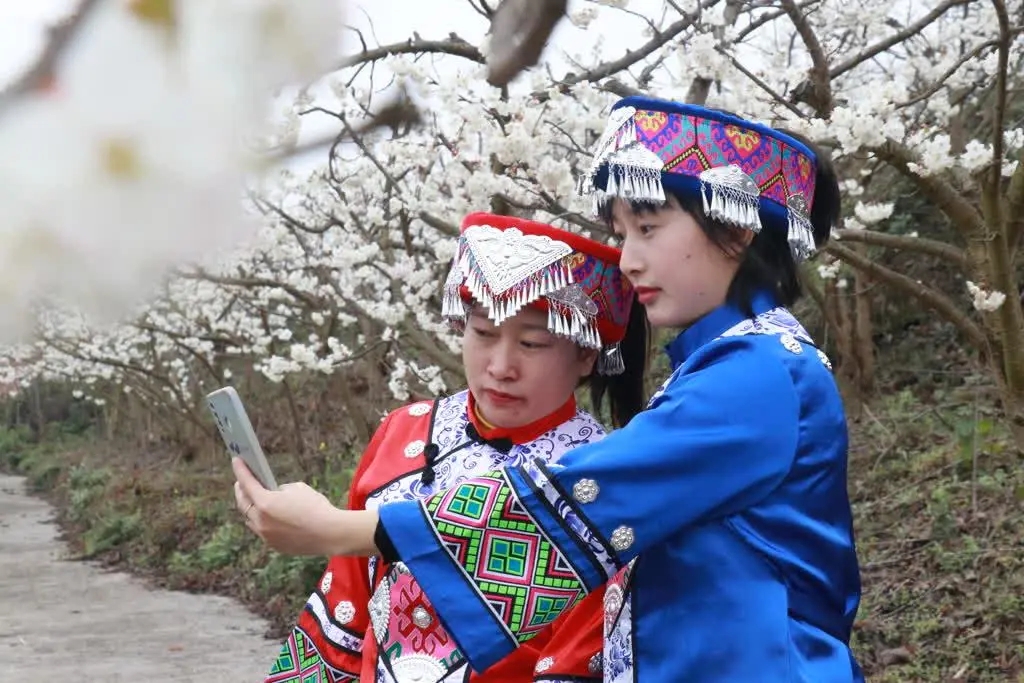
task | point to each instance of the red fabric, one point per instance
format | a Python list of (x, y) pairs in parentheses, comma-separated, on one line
[(524, 433)]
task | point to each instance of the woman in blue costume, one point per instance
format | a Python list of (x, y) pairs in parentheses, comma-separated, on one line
[(719, 516)]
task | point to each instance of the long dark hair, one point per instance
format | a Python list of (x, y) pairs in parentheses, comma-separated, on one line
[(625, 391)]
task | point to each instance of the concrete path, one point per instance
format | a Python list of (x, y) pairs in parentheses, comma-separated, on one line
[(72, 621)]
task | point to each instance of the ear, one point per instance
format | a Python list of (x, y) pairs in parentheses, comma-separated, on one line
[(738, 241), (588, 357)]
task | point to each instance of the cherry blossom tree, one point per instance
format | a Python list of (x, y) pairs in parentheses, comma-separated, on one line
[(340, 277)]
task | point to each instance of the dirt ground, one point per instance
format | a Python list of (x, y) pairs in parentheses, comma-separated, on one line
[(69, 620)]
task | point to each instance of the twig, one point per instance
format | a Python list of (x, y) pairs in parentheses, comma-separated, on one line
[(400, 112), (896, 38), (967, 220), (453, 46), (920, 245), (41, 74), (760, 83), (930, 297)]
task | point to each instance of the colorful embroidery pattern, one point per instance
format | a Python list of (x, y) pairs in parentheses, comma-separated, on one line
[(299, 662), (605, 285), (689, 145), (517, 570)]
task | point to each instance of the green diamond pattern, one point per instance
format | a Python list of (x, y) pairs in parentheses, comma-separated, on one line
[(478, 523)]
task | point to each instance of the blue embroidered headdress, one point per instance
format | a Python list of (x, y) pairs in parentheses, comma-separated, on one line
[(746, 174)]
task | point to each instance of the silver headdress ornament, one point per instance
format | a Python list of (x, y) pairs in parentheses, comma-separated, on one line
[(506, 270), (619, 131), (731, 196), (573, 314), (801, 232)]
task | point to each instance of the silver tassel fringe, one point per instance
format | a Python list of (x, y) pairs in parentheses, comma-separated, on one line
[(801, 232), (731, 196), (610, 362)]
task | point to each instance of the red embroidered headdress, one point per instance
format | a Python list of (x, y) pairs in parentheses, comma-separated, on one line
[(506, 264)]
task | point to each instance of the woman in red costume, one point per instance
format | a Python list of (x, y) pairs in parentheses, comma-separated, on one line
[(542, 311)]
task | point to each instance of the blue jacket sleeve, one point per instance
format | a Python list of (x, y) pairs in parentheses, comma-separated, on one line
[(502, 556)]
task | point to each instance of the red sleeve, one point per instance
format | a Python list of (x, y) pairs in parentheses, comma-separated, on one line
[(574, 651), (333, 624), (357, 490), (567, 651)]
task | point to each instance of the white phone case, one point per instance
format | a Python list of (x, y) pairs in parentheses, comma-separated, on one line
[(237, 432)]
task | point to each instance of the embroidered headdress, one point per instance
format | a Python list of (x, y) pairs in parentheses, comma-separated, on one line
[(746, 174), (506, 264)]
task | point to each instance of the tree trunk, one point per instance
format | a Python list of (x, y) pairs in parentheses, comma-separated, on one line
[(863, 337)]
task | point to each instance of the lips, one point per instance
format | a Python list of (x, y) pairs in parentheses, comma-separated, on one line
[(500, 397), (645, 295)]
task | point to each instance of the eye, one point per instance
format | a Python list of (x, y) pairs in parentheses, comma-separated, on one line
[(483, 332), (646, 228)]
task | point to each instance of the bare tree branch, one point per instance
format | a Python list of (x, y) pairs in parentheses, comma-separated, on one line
[(965, 217), (941, 80), (761, 84), (292, 222), (820, 78), (828, 312), (896, 38), (901, 283), (254, 283), (448, 229), (1015, 206), (399, 112), (767, 18), (416, 46), (607, 69), (519, 31), (41, 74), (999, 116), (920, 245)]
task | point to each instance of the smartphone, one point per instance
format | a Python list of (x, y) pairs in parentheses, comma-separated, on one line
[(236, 430)]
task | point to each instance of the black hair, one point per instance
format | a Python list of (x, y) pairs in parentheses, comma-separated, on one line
[(767, 264), (625, 391)]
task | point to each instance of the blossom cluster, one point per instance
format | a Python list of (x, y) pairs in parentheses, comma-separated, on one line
[(124, 193)]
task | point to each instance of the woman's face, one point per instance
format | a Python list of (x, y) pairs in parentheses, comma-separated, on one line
[(520, 372), (678, 273)]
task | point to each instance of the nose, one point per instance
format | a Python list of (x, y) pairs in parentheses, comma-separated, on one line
[(502, 364), (631, 261)]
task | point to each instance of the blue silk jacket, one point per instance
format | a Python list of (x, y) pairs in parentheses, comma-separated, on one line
[(719, 518)]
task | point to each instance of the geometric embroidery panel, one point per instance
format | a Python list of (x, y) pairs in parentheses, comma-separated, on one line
[(515, 568), (299, 662)]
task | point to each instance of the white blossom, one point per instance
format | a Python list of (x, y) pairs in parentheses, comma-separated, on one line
[(871, 213), (829, 271), (984, 301)]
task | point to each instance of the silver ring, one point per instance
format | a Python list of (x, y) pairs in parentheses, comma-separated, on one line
[(246, 513)]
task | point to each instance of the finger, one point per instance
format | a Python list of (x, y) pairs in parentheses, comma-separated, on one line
[(241, 500), (251, 486)]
